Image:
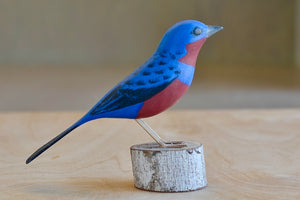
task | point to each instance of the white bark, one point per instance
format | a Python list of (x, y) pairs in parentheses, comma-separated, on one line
[(177, 168)]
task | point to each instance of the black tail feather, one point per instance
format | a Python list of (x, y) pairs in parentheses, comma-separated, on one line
[(50, 143)]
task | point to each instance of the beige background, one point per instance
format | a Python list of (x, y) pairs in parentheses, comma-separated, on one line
[(117, 32), (66, 54)]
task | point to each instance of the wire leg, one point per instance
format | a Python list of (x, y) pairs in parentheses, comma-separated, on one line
[(151, 132)]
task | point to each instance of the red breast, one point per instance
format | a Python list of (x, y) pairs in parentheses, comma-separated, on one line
[(163, 100)]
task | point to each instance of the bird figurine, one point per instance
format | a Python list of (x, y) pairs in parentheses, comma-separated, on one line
[(154, 86)]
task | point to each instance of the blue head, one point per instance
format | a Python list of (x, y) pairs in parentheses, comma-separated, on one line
[(184, 33)]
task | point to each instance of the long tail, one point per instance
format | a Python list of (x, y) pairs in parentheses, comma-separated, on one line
[(51, 142)]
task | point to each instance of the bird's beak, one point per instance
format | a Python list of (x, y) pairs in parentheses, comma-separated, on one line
[(212, 30)]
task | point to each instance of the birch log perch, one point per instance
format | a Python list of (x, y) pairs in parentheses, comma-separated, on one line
[(180, 167)]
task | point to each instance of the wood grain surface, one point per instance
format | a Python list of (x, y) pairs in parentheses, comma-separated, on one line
[(249, 154)]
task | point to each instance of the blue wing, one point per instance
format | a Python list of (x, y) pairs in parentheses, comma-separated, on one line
[(148, 80)]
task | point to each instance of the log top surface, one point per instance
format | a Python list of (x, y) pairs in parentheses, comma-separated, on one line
[(171, 146), (250, 154)]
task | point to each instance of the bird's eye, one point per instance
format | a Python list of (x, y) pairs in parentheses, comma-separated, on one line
[(197, 31)]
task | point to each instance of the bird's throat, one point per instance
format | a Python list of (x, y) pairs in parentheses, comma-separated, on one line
[(192, 49)]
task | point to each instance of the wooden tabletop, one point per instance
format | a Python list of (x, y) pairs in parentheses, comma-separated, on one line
[(249, 154)]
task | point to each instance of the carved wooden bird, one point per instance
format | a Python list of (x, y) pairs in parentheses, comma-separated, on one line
[(156, 85)]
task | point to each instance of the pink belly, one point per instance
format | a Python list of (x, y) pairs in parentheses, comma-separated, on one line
[(163, 100)]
